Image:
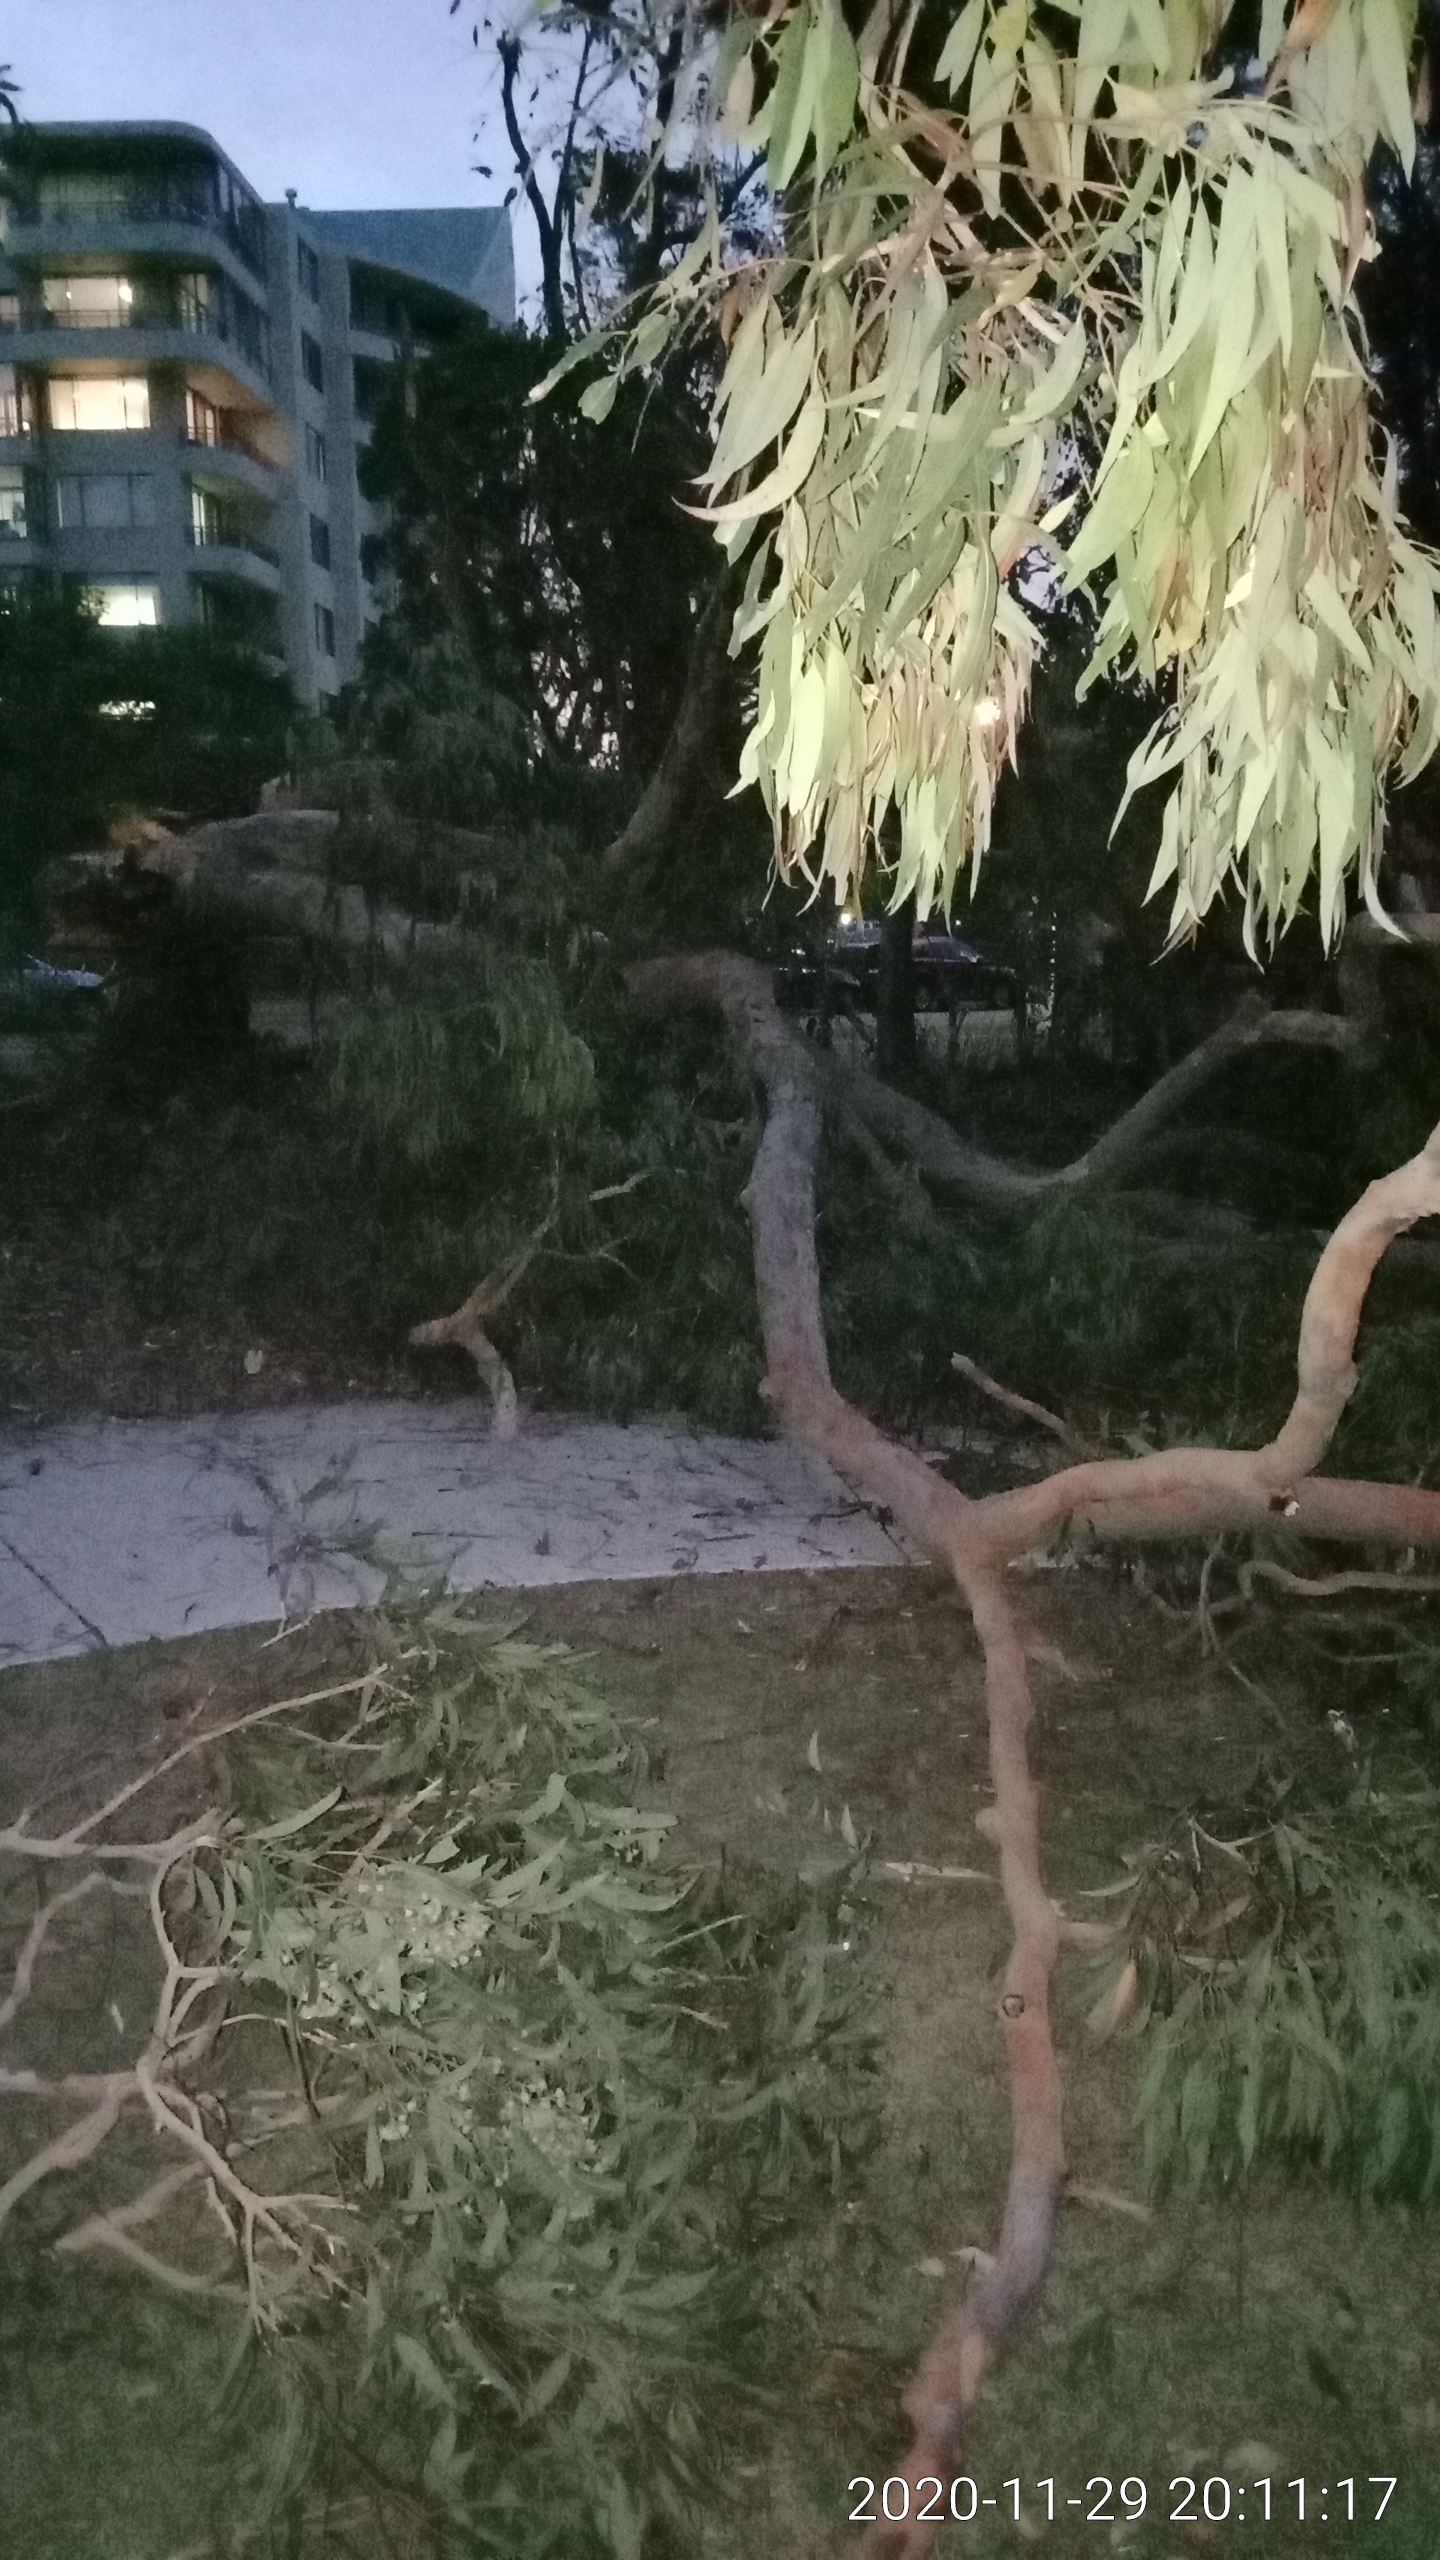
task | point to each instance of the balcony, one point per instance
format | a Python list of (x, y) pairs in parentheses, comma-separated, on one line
[(235, 457), (177, 208), (50, 333), (226, 535)]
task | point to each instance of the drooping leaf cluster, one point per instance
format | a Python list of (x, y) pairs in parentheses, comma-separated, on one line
[(1078, 307), (1293, 1981)]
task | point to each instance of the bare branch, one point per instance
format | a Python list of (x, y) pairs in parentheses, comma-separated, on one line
[(35, 1937), (1329, 1586), (76, 1841), (953, 1165), (70, 2149), (546, 226), (1023, 1405), (465, 1330)]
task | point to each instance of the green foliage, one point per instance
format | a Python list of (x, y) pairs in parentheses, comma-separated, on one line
[(193, 727), (563, 2100), (557, 547), (1079, 260), (1291, 1987), (481, 1067), (451, 744)]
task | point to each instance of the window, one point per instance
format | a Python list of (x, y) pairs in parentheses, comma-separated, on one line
[(320, 542), (89, 302), (12, 506), (312, 363), (126, 606), (325, 631), (192, 301), (315, 457), (210, 520), (202, 420), (374, 307), (9, 310), (246, 323), (309, 266), (14, 403), (83, 195), (372, 381), (99, 407), (101, 500)]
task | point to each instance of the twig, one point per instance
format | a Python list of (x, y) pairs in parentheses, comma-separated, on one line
[(908, 1869), (1105, 2200), (68, 2150), (465, 1329), (113, 2231), (1024, 1406), (75, 1842), (1326, 1586), (28, 1957)]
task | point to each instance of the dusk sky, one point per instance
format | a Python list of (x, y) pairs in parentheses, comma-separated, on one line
[(351, 102)]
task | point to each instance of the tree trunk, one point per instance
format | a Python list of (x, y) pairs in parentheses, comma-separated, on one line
[(895, 996)]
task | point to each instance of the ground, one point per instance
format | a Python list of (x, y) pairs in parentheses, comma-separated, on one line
[(1287, 2334)]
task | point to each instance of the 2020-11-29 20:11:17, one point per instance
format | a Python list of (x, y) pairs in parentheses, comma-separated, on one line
[(1217, 2500)]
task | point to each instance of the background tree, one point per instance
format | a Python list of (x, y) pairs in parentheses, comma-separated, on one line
[(95, 722), (555, 546)]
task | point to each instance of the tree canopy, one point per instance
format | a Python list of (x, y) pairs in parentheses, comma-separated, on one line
[(1066, 293)]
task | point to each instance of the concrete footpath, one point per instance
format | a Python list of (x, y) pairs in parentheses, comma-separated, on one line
[(111, 1532)]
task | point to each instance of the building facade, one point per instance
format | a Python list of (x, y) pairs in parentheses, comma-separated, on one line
[(188, 378)]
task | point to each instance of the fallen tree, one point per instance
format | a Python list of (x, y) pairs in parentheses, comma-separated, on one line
[(1177, 1493)]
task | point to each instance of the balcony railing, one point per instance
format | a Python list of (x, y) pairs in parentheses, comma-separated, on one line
[(214, 322), (131, 315), (191, 211), (229, 440), (231, 537)]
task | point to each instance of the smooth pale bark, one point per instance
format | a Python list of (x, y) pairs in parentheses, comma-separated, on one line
[(1175, 1493)]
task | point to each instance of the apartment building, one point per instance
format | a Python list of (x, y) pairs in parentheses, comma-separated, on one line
[(188, 377)]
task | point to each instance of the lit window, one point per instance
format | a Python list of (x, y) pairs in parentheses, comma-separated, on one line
[(129, 606), (320, 542), (14, 406), (312, 362), (9, 310), (202, 420), (126, 710), (89, 302), (325, 631), (315, 458), (12, 506), (101, 500), (99, 407)]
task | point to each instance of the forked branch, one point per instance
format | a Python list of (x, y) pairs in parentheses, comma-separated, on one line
[(1175, 1493)]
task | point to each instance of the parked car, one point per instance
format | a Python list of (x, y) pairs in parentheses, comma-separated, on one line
[(951, 970)]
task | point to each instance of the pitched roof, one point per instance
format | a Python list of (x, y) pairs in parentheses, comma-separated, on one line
[(464, 250)]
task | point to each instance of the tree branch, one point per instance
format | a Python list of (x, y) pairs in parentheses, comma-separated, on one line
[(665, 813), (551, 297), (1173, 1493), (952, 1164)]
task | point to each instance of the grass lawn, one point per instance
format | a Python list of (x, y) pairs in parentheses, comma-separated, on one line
[(1284, 2333)]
